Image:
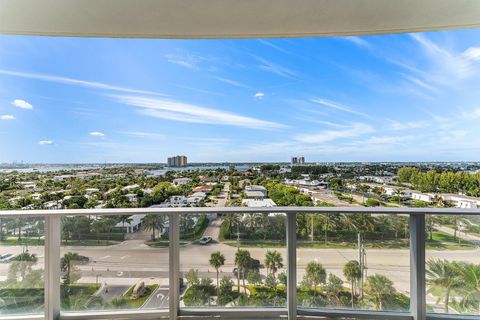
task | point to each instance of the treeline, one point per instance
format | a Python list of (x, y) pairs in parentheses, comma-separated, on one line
[(284, 195), (447, 181), (311, 169)]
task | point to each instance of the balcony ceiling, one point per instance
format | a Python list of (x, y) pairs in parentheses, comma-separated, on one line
[(232, 18)]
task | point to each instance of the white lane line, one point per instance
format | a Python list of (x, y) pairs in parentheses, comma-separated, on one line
[(106, 257)]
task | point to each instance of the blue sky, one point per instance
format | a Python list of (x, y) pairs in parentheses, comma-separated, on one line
[(410, 97)]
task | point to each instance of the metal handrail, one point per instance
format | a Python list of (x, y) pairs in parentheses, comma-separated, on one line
[(292, 311)]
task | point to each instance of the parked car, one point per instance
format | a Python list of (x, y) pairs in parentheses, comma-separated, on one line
[(6, 257), (84, 259), (205, 240)]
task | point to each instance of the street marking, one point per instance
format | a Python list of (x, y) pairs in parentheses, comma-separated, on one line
[(121, 258), (106, 257)]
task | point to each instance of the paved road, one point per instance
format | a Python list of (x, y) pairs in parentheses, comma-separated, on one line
[(158, 299), (213, 229), (110, 291), (222, 197)]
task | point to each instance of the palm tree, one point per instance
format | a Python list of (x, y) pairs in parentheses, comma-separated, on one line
[(242, 261), (125, 219), (23, 263), (230, 220), (315, 274), (328, 225), (217, 259), (149, 222), (98, 226), (66, 264), (399, 193), (334, 287), (443, 275), (353, 274), (273, 262), (379, 289), (470, 290)]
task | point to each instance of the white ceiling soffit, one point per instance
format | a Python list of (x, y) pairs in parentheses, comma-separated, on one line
[(233, 18)]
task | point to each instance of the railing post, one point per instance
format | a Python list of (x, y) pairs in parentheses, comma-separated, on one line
[(174, 265), (417, 267), (291, 265), (52, 267)]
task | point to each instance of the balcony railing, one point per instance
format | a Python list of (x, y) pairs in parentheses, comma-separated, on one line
[(52, 262)]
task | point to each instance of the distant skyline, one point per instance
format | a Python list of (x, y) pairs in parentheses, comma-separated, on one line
[(410, 97)]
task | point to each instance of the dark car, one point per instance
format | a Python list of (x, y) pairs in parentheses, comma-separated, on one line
[(254, 266), (84, 259)]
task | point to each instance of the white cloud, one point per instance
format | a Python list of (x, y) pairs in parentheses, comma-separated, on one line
[(476, 113), (7, 117), (358, 41), (275, 68), (144, 135), (270, 44), (97, 134), (75, 82), (338, 106), (185, 60), (45, 142), (231, 82), (259, 95), (22, 104), (472, 53), (446, 65), (387, 140), (357, 129), (397, 126), (185, 112)]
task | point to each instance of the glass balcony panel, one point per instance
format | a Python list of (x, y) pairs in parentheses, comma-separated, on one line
[(233, 260), (364, 254), (22, 265), (453, 264), (115, 262)]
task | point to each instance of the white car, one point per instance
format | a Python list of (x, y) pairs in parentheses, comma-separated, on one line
[(205, 240)]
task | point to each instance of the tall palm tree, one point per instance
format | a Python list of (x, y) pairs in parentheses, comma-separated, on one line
[(66, 264), (328, 225), (443, 275), (379, 289), (217, 259), (273, 262), (315, 274), (242, 261), (149, 222), (98, 226), (230, 220), (353, 274), (470, 290), (125, 219)]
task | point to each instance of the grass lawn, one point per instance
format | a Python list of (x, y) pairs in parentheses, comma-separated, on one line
[(137, 303), (445, 241), (13, 241), (162, 243)]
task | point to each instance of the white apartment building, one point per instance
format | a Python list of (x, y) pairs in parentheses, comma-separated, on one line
[(460, 201), (254, 203), (427, 197), (257, 188), (181, 181)]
